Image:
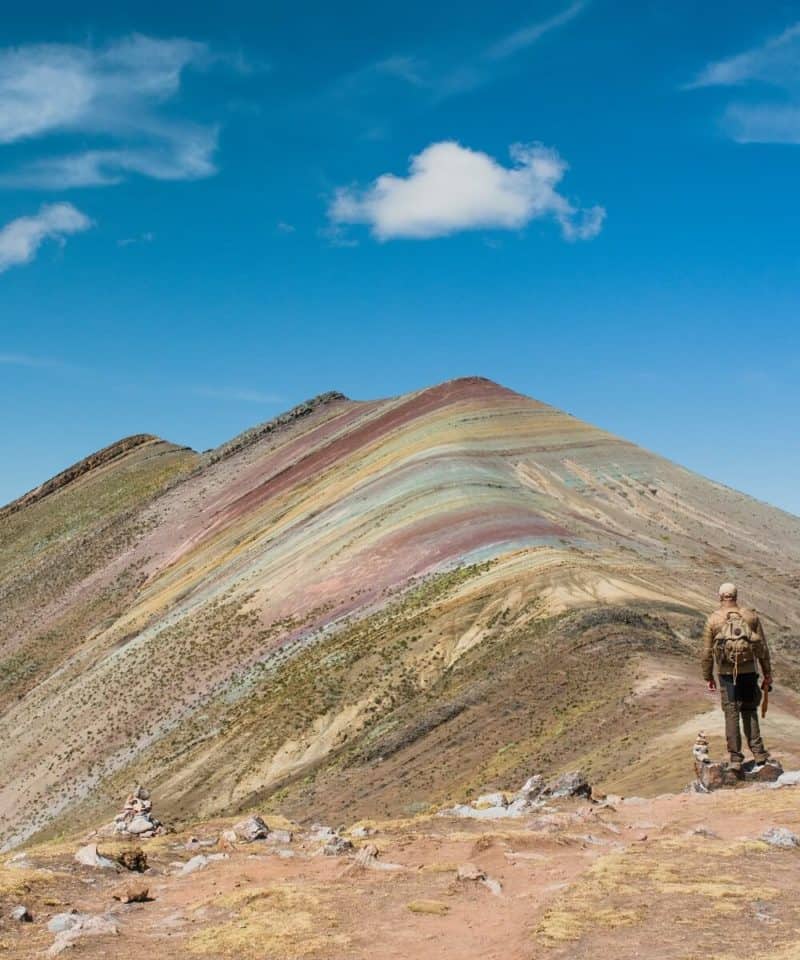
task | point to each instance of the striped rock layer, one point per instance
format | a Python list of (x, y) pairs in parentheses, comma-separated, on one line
[(236, 625)]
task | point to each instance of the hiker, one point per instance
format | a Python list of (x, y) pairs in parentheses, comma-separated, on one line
[(733, 638)]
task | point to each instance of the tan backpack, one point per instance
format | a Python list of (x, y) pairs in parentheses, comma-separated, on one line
[(734, 641)]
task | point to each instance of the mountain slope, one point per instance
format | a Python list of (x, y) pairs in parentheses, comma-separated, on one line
[(369, 602)]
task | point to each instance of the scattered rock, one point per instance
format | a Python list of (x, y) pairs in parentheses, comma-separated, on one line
[(493, 886), (781, 837), (489, 813), (468, 871), (227, 837), (63, 921), (337, 846), (280, 836), (361, 833), (321, 833), (490, 800), (532, 787), (253, 828), (90, 857), (83, 926), (134, 860), (22, 914), (572, 784), (200, 861), (132, 893), (790, 778)]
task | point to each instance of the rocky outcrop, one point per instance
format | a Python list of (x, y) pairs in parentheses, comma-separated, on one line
[(716, 775), (99, 459), (533, 794), (250, 829)]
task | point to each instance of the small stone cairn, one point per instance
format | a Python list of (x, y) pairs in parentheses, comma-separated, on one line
[(136, 819)]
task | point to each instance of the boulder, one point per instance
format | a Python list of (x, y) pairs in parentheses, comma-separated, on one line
[(132, 893), (487, 800), (83, 926), (791, 778), (320, 832), (63, 921), (22, 914), (572, 784), (337, 846), (767, 772), (781, 837), (468, 871), (90, 857), (134, 860), (200, 861), (253, 828), (280, 836), (714, 776), (532, 787)]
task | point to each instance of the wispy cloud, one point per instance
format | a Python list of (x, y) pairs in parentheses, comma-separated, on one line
[(450, 188), (773, 66), (147, 237), (773, 62), (443, 78), (240, 394), (26, 360), (525, 36), (20, 239), (117, 93)]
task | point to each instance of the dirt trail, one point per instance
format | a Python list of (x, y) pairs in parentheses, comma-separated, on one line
[(677, 876)]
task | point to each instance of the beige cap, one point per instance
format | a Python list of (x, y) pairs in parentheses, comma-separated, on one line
[(728, 590)]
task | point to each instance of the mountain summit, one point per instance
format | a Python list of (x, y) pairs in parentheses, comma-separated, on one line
[(370, 605)]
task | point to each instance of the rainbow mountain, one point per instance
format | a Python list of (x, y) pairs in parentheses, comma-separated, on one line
[(370, 607)]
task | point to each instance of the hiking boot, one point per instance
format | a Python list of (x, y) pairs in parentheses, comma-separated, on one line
[(761, 760), (735, 766)]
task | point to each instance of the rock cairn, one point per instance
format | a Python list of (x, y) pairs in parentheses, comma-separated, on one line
[(136, 819), (700, 749)]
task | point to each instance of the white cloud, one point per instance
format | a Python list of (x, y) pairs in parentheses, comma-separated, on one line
[(116, 92), (21, 238), (451, 188), (774, 64)]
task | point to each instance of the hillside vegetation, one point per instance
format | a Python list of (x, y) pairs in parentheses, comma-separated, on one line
[(370, 607)]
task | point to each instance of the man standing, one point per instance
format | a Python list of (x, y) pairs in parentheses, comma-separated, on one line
[(734, 639)]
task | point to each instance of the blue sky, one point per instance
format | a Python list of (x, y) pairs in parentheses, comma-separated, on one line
[(208, 214)]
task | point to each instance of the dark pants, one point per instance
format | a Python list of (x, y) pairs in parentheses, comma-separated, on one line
[(741, 699)]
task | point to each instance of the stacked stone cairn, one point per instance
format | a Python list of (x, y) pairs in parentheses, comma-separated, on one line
[(136, 819)]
